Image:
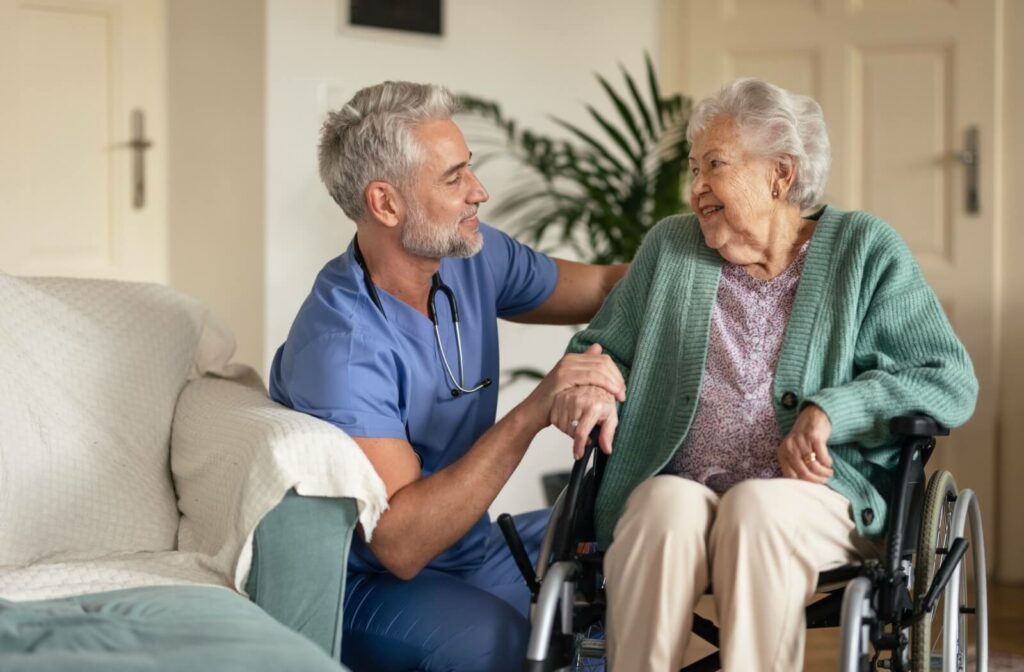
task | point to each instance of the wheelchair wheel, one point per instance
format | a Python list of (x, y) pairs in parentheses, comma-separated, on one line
[(936, 521), (939, 640)]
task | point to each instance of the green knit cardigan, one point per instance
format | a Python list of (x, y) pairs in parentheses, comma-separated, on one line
[(866, 341)]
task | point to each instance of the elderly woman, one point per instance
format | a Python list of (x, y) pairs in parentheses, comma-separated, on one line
[(766, 344)]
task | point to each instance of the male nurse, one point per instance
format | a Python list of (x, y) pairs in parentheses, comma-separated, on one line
[(397, 345)]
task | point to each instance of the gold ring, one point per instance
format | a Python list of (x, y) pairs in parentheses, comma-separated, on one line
[(810, 458)]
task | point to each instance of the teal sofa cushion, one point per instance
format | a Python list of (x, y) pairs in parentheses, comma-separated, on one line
[(156, 629)]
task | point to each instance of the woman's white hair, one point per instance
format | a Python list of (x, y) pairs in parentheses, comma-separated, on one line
[(371, 138), (774, 123)]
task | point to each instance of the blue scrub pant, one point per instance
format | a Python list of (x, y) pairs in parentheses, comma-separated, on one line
[(473, 621)]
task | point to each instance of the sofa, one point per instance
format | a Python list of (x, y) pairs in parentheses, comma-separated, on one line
[(157, 510)]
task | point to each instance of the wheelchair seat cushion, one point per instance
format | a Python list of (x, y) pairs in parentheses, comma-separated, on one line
[(154, 629)]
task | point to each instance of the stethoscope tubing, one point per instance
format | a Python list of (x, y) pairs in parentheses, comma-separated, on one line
[(437, 286)]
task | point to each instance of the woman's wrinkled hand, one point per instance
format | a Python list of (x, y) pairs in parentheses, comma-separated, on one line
[(803, 454), (589, 368), (577, 410)]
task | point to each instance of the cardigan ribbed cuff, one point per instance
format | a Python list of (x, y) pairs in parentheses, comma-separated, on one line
[(846, 408)]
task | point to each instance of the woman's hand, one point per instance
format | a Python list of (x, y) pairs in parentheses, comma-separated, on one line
[(803, 453), (588, 368), (577, 410)]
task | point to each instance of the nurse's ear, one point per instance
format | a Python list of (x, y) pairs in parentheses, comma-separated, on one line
[(384, 203)]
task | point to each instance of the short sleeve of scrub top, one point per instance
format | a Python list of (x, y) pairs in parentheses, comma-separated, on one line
[(368, 407), (524, 278), (339, 362)]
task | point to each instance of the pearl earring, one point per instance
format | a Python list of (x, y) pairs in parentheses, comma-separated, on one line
[(775, 193)]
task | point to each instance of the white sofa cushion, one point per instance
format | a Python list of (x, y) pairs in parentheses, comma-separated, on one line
[(48, 580), (92, 370)]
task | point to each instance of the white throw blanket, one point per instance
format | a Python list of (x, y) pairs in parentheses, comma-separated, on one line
[(91, 376)]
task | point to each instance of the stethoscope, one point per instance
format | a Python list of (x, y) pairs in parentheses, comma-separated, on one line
[(436, 286)]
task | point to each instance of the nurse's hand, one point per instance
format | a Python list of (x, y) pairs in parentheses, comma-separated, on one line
[(589, 368), (577, 410)]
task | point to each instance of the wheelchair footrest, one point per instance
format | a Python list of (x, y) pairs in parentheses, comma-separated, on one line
[(591, 648)]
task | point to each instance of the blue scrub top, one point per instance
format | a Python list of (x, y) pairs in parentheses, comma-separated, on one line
[(371, 374)]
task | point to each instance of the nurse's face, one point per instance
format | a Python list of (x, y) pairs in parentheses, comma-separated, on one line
[(442, 201)]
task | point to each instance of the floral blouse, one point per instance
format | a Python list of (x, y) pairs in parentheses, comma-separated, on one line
[(734, 435)]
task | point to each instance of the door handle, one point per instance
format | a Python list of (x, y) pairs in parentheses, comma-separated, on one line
[(968, 156), (139, 144)]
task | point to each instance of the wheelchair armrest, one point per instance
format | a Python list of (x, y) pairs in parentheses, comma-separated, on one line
[(917, 435), (916, 426)]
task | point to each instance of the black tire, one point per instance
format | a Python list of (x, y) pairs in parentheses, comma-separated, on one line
[(934, 535)]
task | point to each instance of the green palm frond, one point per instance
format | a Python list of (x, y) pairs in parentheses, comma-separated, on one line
[(598, 191), (625, 114)]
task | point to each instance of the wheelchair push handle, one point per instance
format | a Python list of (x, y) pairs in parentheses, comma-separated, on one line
[(563, 544), (515, 542), (515, 546)]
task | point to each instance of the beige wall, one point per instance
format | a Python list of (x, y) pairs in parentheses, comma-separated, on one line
[(216, 119), (1010, 563), (218, 125)]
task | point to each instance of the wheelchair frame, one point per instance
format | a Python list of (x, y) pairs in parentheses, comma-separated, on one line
[(876, 603)]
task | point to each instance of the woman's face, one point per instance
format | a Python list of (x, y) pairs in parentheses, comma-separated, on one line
[(731, 192)]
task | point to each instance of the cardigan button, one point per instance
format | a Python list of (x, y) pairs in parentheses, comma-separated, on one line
[(789, 400), (868, 516)]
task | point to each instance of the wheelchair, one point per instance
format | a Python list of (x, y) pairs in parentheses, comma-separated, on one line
[(906, 611)]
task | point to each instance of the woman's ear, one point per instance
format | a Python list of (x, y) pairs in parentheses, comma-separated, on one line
[(784, 176), (384, 203)]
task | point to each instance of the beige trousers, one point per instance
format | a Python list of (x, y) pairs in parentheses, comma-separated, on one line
[(762, 545)]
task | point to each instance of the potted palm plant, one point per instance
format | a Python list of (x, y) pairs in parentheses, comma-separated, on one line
[(596, 192)]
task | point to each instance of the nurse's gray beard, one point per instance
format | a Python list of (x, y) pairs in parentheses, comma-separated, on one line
[(425, 239)]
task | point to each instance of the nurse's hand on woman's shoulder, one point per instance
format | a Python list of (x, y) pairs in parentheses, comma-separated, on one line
[(588, 369)]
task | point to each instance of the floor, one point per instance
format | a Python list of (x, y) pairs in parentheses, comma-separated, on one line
[(1006, 634)]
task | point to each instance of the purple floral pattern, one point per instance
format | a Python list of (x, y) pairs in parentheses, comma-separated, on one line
[(734, 435)]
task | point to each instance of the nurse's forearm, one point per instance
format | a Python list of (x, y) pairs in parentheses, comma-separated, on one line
[(578, 294), (430, 514)]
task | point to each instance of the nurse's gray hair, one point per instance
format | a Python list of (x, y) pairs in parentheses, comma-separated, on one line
[(773, 123), (370, 138)]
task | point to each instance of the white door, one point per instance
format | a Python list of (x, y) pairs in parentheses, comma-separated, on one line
[(75, 197), (900, 81)]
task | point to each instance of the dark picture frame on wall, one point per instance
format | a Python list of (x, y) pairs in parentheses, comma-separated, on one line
[(417, 16)]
